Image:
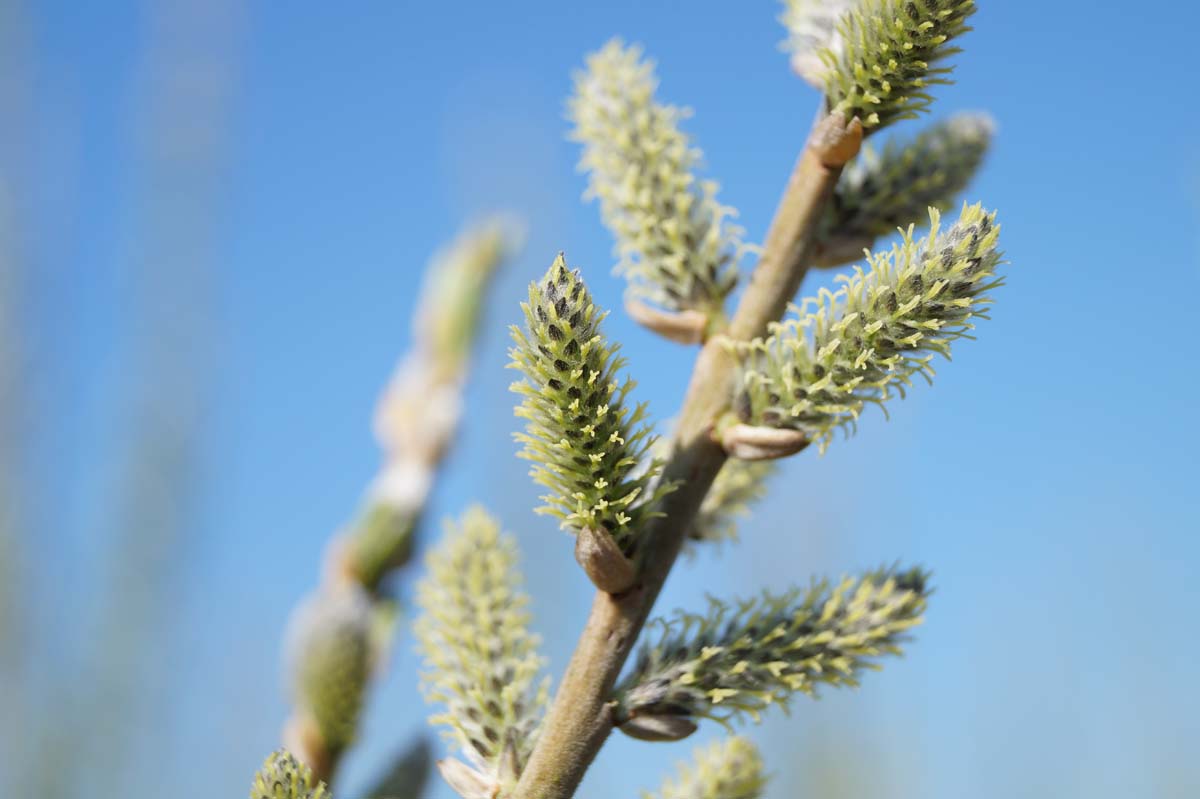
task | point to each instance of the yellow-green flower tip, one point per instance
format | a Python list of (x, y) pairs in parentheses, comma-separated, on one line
[(282, 776), (677, 244), (889, 53)]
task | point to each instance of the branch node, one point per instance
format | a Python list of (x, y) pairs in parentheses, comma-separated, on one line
[(658, 728), (835, 140), (603, 562), (466, 782), (684, 327), (751, 443)]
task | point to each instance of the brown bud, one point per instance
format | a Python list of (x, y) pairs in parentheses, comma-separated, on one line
[(750, 443), (684, 327), (834, 141), (509, 767), (603, 562), (658, 728), (466, 782)]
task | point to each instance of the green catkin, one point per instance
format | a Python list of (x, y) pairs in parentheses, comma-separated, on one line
[(282, 776), (456, 282), (736, 662), (676, 243), (418, 414), (895, 187), (330, 651), (381, 541), (729, 769), (584, 440), (889, 53), (482, 661), (864, 343)]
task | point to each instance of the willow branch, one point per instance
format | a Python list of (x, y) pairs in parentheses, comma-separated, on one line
[(335, 634), (580, 717)]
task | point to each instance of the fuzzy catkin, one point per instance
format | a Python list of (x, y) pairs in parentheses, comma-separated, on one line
[(890, 53), (282, 776), (675, 241), (582, 437), (881, 191), (738, 661), (864, 343), (330, 654), (482, 661), (450, 308), (728, 769)]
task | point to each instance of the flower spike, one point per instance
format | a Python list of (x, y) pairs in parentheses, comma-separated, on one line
[(729, 769), (864, 343), (736, 662), (890, 52), (584, 440), (483, 661), (676, 243), (331, 652), (282, 776), (882, 191)]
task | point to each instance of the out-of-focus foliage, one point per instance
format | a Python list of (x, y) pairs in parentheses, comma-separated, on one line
[(676, 242), (483, 663)]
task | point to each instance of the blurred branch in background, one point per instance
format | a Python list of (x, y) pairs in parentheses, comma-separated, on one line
[(150, 487), (13, 575), (15, 583), (11, 411), (340, 634)]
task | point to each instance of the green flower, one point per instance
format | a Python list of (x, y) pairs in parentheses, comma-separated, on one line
[(456, 283), (890, 52), (583, 439), (282, 776), (331, 652), (737, 662), (882, 191), (482, 661), (675, 240), (864, 343), (729, 769)]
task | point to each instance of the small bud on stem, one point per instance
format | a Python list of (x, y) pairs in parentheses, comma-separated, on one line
[(602, 561)]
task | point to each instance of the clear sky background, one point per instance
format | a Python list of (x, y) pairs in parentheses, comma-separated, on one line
[(219, 213)]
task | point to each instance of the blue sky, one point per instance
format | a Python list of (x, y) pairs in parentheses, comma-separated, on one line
[(241, 201)]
